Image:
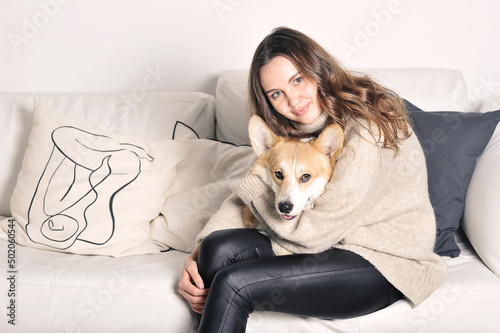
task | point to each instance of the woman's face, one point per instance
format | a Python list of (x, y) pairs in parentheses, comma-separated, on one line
[(289, 92)]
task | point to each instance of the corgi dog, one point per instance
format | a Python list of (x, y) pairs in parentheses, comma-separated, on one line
[(296, 169)]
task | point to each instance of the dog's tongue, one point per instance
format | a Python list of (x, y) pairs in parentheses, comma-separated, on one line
[(287, 217)]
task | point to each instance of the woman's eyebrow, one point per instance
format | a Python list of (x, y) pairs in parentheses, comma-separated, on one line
[(270, 91), (293, 77), (289, 80)]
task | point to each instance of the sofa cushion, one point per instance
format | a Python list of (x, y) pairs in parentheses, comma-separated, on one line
[(202, 184), (83, 189), (152, 114), (432, 89), (452, 141), (57, 292)]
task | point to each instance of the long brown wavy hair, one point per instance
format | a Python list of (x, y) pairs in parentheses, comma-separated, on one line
[(343, 94)]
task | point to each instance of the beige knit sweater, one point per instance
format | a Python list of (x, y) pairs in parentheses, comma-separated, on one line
[(376, 205)]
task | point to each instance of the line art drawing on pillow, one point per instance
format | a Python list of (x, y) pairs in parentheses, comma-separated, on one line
[(74, 196)]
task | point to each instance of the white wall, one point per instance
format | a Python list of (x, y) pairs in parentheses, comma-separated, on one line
[(116, 45)]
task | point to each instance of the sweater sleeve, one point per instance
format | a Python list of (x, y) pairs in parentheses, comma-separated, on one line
[(245, 190), (249, 187), (227, 217)]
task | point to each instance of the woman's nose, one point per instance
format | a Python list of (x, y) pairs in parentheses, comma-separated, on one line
[(293, 99)]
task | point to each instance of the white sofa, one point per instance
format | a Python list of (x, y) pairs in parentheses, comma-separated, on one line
[(131, 285)]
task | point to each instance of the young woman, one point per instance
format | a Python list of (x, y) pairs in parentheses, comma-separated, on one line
[(369, 239)]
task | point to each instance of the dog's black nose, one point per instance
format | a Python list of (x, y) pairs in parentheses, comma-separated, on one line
[(285, 207)]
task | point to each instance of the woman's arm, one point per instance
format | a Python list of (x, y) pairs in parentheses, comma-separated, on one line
[(229, 216)]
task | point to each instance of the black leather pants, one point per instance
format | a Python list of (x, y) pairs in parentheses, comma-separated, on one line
[(244, 276)]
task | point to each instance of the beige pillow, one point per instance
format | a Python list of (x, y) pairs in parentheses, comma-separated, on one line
[(85, 190), (202, 184)]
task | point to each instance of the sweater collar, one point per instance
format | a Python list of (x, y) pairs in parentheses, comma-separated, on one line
[(315, 127)]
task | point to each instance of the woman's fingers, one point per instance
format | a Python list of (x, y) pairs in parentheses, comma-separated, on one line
[(188, 287)]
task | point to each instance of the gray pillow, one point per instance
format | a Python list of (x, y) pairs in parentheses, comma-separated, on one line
[(452, 141)]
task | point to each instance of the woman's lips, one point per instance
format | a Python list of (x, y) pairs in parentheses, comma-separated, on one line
[(303, 110)]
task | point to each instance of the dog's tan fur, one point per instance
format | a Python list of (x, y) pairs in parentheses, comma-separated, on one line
[(304, 166)]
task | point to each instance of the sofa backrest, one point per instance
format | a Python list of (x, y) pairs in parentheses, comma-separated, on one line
[(429, 89), (152, 114)]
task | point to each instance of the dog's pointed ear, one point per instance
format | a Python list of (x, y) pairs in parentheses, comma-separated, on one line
[(262, 137), (330, 141)]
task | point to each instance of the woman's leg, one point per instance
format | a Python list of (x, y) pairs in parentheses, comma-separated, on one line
[(332, 284), (225, 247)]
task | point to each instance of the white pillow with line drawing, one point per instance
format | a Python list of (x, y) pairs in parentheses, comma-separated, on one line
[(85, 190)]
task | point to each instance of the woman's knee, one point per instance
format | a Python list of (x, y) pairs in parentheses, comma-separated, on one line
[(224, 247), (229, 302)]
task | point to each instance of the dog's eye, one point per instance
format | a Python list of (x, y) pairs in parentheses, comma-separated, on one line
[(279, 175), (305, 177)]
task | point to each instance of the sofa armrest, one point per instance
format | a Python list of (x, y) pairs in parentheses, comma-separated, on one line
[(492, 103), (482, 209)]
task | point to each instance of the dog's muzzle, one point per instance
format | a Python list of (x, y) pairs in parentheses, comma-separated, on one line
[(285, 208)]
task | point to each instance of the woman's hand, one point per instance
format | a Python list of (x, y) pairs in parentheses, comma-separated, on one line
[(191, 285)]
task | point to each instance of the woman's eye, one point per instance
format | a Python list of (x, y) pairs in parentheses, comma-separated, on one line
[(276, 94), (279, 175), (297, 80), (305, 178)]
